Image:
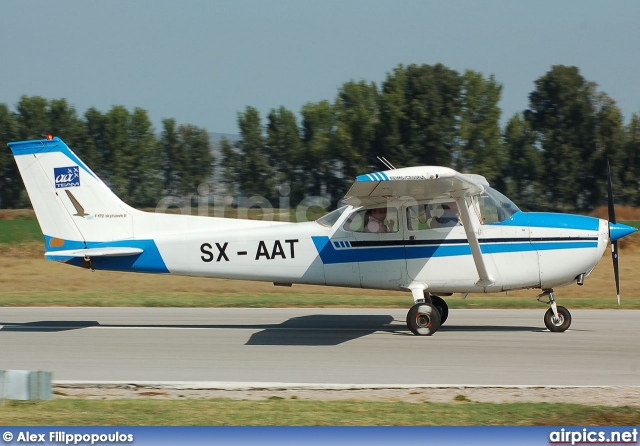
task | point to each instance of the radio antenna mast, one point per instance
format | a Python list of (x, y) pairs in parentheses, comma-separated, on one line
[(387, 164)]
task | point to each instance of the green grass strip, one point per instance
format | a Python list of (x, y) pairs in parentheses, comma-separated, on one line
[(289, 412)]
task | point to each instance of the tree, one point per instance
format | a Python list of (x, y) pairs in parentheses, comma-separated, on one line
[(357, 115), (229, 164), (419, 113), (197, 159), (561, 114), (578, 128), (630, 167), (171, 157), (94, 153), (524, 169), (246, 165), (608, 146), (65, 123), (115, 149), (389, 138), (11, 187), (130, 154), (318, 125), (480, 150), (143, 161), (32, 118), (283, 149)]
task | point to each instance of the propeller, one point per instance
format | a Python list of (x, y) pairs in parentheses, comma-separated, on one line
[(614, 243)]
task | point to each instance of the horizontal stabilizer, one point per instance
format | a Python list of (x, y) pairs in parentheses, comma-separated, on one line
[(97, 252)]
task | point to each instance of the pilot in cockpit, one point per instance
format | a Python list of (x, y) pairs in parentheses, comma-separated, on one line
[(450, 216), (374, 221)]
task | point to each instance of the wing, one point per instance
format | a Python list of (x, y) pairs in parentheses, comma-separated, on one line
[(417, 183), (427, 183)]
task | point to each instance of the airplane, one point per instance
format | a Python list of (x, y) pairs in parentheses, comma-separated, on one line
[(428, 230)]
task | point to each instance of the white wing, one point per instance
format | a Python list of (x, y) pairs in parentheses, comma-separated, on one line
[(417, 183)]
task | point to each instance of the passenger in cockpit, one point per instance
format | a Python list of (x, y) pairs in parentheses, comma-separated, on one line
[(374, 221), (450, 216)]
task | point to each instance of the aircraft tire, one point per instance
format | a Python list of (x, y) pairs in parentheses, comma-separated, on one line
[(560, 325), (442, 307), (423, 319)]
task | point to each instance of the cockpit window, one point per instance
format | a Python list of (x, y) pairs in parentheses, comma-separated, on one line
[(329, 219), (377, 220), (495, 207)]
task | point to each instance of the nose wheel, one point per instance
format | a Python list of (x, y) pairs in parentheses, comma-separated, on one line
[(557, 318)]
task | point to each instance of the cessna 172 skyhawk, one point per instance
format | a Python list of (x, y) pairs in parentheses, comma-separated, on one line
[(429, 230)]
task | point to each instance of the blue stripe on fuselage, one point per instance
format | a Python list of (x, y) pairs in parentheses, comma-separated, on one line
[(330, 255), (551, 220)]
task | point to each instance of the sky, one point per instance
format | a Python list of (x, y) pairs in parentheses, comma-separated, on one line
[(202, 62)]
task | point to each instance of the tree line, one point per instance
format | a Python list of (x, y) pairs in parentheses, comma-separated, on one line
[(550, 156), (121, 146)]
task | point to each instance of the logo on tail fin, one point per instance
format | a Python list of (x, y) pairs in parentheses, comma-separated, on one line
[(66, 176), (76, 204)]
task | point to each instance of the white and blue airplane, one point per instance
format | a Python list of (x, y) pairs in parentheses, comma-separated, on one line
[(428, 230)]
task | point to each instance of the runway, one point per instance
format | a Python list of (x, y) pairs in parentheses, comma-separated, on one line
[(321, 346)]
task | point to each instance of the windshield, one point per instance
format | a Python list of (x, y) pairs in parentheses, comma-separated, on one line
[(495, 207), (329, 219)]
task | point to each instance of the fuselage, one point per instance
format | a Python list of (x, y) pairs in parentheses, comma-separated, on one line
[(526, 250)]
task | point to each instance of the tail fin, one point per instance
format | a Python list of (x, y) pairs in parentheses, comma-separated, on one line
[(72, 204)]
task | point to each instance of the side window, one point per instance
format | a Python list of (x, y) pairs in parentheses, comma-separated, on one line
[(377, 220), (434, 215), (418, 218)]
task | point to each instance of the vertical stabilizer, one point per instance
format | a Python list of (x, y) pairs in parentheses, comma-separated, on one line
[(72, 204)]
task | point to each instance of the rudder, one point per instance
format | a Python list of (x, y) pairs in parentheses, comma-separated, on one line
[(73, 206)]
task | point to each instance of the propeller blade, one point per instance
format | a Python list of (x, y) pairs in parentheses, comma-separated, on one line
[(616, 271), (612, 209), (614, 243)]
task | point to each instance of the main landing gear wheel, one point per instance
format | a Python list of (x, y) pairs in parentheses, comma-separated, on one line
[(559, 324), (423, 319), (441, 306)]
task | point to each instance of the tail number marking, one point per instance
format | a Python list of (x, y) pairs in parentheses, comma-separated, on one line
[(278, 250), (206, 248)]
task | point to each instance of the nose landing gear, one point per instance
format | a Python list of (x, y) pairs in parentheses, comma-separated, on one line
[(557, 318)]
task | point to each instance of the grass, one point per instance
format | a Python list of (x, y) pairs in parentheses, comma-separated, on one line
[(20, 232), (37, 282), (219, 412)]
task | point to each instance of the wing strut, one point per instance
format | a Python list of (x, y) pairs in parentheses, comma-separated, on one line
[(465, 207)]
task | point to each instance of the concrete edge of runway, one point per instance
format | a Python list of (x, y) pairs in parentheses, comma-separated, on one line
[(218, 385)]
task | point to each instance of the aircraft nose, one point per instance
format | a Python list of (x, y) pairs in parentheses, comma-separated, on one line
[(618, 230)]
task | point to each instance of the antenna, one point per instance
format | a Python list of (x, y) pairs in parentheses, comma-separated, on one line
[(387, 164)]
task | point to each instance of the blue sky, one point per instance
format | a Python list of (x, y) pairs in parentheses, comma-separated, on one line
[(201, 62)]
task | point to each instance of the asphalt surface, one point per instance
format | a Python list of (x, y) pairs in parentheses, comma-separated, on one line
[(321, 346)]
